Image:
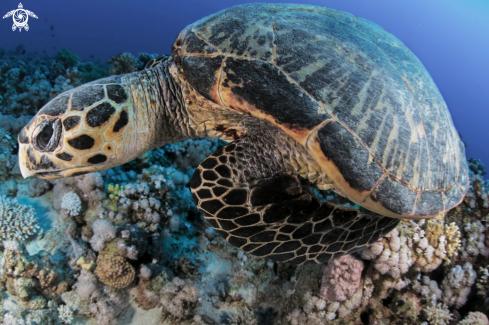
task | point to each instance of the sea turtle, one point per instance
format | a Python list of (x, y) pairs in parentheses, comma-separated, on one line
[(308, 97)]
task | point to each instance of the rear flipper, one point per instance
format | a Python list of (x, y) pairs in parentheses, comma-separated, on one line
[(262, 209)]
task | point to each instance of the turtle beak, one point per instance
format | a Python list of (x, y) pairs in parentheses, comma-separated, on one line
[(24, 170), (24, 162)]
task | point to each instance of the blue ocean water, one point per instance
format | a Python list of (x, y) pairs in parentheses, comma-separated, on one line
[(450, 37)]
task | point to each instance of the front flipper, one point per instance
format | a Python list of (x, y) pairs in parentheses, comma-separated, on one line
[(248, 194)]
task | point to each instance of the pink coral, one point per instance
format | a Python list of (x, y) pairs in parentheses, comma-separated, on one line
[(341, 278)]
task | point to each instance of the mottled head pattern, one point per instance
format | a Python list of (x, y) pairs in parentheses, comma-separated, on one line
[(79, 131)]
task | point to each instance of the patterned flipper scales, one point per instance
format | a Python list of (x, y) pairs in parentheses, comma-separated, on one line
[(259, 208)]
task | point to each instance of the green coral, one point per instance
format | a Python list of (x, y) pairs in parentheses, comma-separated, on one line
[(66, 58), (123, 63), (89, 72)]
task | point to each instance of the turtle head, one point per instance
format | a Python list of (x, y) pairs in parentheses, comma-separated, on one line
[(83, 130)]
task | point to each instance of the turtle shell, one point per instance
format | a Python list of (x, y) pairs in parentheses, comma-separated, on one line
[(350, 92)]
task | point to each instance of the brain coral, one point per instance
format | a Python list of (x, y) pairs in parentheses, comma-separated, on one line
[(16, 221), (114, 271)]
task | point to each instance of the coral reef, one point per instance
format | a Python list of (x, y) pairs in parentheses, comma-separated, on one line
[(341, 279), (178, 295), (123, 63), (114, 271), (475, 318), (126, 62), (16, 221), (65, 314), (72, 203), (129, 242), (28, 82)]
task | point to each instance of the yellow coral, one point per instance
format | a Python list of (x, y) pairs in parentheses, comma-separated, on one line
[(114, 190), (452, 240), (84, 265), (114, 195)]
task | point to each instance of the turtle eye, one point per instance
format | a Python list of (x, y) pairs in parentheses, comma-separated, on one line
[(47, 135), (44, 136)]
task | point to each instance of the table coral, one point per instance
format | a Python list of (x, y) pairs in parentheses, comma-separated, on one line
[(114, 271), (17, 221)]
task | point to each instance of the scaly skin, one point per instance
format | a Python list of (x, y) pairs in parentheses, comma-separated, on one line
[(148, 111), (161, 108)]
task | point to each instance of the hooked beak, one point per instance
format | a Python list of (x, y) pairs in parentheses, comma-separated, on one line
[(24, 170)]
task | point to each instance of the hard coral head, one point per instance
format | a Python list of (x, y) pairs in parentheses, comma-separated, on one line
[(80, 131)]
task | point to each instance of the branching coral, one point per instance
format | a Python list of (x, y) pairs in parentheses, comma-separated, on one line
[(475, 318), (145, 298), (105, 311), (244, 317), (72, 203), (179, 296), (87, 187), (86, 285), (65, 314), (452, 237), (421, 245), (103, 231), (457, 284), (141, 215), (391, 255), (427, 288), (483, 281), (341, 279), (315, 312), (438, 314), (475, 241), (16, 221)]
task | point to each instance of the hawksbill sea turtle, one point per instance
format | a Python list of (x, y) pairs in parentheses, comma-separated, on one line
[(305, 95), (20, 17)]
